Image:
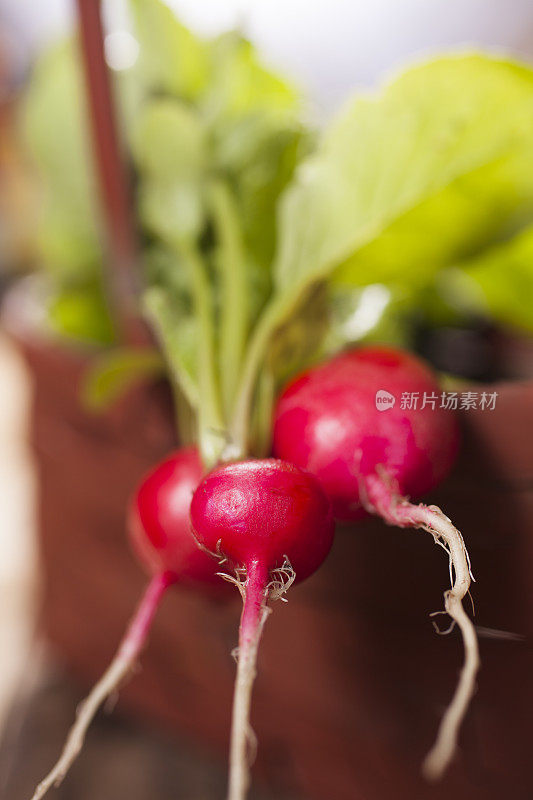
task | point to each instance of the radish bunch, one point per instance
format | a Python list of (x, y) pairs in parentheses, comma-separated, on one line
[(264, 523), (268, 520), (329, 421), (264, 244)]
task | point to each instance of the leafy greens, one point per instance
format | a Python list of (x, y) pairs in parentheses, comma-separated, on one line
[(266, 245)]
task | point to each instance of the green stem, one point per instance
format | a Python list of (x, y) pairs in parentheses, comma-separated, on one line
[(234, 289), (211, 428), (268, 322), (262, 413)]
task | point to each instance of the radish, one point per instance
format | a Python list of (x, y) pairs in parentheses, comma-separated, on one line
[(273, 523), (160, 533), (159, 525), (370, 455)]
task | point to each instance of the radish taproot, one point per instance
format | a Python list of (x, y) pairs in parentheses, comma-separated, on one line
[(354, 423), (273, 524), (160, 533)]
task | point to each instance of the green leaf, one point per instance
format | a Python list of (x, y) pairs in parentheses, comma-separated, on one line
[(498, 283), (170, 149), (261, 180), (68, 247), (114, 373), (171, 59), (259, 154), (257, 141), (169, 140), (177, 330), (404, 182), (79, 312), (438, 162), (172, 210), (241, 85), (55, 128)]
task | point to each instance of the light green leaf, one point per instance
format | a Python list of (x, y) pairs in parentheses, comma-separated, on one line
[(241, 85), (68, 247), (259, 154), (434, 166), (439, 161), (169, 140), (257, 141), (79, 312), (498, 283), (55, 128), (177, 330), (115, 372), (170, 149), (260, 182), (172, 210), (55, 122), (171, 58)]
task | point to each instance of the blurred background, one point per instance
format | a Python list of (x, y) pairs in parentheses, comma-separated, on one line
[(328, 49)]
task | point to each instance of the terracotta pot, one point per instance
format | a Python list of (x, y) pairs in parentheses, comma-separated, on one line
[(352, 679)]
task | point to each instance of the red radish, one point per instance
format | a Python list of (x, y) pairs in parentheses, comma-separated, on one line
[(273, 523), (328, 421), (369, 454), (159, 518), (160, 532)]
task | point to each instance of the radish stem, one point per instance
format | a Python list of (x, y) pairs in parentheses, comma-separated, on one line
[(254, 614), (396, 510), (211, 437), (119, 668), (234, 288)]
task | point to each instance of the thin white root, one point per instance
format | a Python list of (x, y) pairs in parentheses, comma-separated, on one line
[(442, 752), (433, 520), (396, 510), (243, 740), (111, 679), (257, 587), (122, 664), (282, 579)]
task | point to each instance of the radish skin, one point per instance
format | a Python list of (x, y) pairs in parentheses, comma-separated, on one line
[(384, 499), (121, 665)]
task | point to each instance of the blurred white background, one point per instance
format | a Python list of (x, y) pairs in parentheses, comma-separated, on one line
[(329, 46)]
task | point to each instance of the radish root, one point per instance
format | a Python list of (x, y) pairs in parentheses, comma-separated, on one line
[(122, 664), (256, 590), (384, 499)]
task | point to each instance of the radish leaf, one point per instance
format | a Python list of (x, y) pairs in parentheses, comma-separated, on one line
[(497, 283), (172, 59), (112, 374)]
